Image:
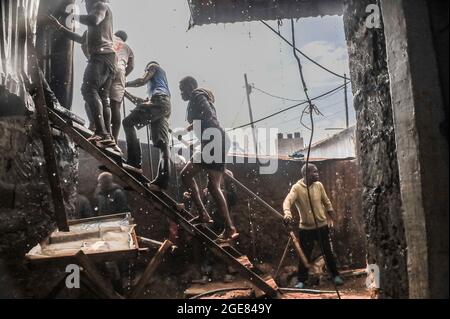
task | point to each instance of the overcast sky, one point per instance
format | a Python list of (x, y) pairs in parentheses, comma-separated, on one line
[(219, 55)]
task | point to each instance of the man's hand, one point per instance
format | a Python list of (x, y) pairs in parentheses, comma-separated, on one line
[(288, 220), (330, 222), (54, 22)]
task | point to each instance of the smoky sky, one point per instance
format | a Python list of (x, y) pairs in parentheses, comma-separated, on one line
[(219, 55)]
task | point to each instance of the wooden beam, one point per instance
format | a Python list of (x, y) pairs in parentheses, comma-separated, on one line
[(94, 277), (47, 142), (151, 268)]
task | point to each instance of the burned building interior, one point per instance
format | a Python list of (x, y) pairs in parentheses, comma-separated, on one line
[(386, 176)]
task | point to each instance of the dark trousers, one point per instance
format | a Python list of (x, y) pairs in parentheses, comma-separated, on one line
[(97, 80), (156, 114), (307, 238)]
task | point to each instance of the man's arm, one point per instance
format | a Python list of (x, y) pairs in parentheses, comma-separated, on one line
[(67, 33), (328, 206), (149, 73), (130, 65), (288, 202), (95, 16)]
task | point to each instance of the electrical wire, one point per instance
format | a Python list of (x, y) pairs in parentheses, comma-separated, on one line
[(298, 50), (273, 95), (288, 108), (311, 109)]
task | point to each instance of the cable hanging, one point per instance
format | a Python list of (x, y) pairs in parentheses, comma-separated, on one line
[(289, 108), (303, 54), (273, 95), (310, 109)]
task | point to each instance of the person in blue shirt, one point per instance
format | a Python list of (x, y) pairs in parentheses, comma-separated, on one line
[(154, 111)]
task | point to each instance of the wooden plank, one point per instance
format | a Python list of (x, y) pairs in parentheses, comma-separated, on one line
[(96, 257), (94, 277), (150, 242), (64, 237), (245, 262), (48, 143), (57, 289), (97, 218), (271, 282), (151, 268)]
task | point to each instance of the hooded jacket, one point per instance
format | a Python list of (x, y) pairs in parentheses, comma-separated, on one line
[(298, 196)]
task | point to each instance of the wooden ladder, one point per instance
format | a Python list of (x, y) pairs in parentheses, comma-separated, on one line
[(113, 162)]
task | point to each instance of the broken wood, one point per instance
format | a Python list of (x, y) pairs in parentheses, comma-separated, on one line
[(150, 242), (271, 282), (94, 277), (47, 142), (245, 261), (151, 268), (299, 250), (57, 289), (297, 246)]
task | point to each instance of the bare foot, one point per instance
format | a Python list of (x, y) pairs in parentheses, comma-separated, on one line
[(202, 219), (228, 235)]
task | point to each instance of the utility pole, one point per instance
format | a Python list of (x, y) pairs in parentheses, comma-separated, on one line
[(346, 101), (248, 90)]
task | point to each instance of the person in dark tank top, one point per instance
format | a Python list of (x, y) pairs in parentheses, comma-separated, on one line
[(101, 67)]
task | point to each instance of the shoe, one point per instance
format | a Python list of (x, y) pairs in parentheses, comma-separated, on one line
[(95, 138), (300, 285), (117, 149), (137, 169), (108, 141), (338, 281), (161, 182)]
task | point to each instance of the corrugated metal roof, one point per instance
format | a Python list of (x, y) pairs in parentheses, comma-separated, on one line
[(230, 11), (17, 21)]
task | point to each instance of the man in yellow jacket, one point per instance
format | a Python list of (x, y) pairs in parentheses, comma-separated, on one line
[(312, 229)]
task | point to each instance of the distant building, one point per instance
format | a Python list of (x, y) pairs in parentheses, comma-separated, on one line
[(288, 145), (339, 146)]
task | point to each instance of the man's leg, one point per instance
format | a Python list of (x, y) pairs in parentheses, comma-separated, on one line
[(188, 174), (106, 101), (116, 95), (115, 119), (134, 157), (160, 112), (161, 182), (306, 239), (214, 180), (329, 256), (90, 90), (89, 116)]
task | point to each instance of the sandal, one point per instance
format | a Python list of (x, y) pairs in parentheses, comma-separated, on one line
[(200, 220), (225, 238)]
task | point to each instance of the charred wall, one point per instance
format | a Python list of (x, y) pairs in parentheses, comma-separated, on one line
[(382, 206), (26, 206), (263, 236)]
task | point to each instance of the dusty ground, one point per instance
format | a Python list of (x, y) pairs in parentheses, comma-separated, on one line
[(354, 288)]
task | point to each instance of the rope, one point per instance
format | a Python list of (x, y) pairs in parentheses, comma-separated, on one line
[(297, 50), (311, 109)]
